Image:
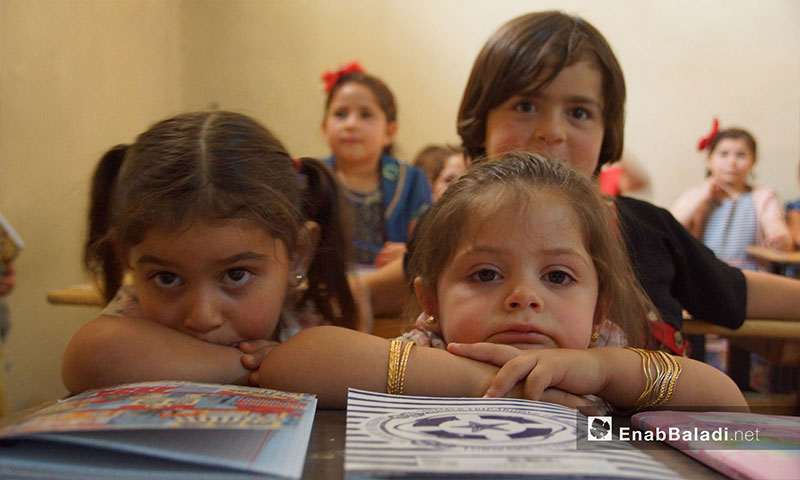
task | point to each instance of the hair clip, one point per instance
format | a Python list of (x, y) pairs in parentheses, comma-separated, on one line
[(330, 78), (297, 164), (707, 139)]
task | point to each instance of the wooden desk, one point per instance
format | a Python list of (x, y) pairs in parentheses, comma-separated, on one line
[(776, 340), (85, 294), (325, 457), (774, 256)]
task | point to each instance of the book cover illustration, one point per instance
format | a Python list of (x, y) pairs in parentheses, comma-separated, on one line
[(739, 445), (395, 435), (240, 428), (10, 244)]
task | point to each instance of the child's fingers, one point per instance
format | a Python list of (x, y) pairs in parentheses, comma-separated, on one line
[(510, 374), (493, 353), (535, 385), (250, 362), (253, 379), (587, 407)]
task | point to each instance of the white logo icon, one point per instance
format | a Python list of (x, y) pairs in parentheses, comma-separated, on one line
[(598, 429)]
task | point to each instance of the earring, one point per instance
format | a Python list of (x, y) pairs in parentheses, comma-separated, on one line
[(298, 279), (595, 336), (430, 320)]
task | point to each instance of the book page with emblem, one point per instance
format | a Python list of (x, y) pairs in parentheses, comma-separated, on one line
[(396, 435)]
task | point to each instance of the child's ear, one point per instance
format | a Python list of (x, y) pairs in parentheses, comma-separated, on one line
[(426, 297), (601, 311), (306, 247), (391, 131)]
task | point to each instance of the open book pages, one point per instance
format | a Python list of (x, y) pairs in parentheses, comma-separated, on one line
[(395, 435), (163, 429)]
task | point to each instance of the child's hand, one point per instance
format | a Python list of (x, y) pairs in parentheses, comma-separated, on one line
[(254, 353), (779, 242), (389, 252), (577, 372), (7, 281)]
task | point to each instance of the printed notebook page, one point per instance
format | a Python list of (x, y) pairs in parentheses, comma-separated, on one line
[(395, 435)]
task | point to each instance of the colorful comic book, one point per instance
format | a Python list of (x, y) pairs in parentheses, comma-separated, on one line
[(739, 445), (166, 429)]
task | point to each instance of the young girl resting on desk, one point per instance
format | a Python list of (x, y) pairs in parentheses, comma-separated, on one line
[(227, 240), (519, 266)]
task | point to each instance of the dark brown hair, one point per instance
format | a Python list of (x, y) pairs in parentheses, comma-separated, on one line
[(509, 184), (525, 55), (735, 133), (431, 159), (217, 166), (382, 94)]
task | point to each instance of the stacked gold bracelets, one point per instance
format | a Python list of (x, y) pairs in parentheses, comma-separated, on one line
[(661, 371), (398, 359)]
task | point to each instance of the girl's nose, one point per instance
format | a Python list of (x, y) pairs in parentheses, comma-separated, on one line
[(523, 296), (204, 314)]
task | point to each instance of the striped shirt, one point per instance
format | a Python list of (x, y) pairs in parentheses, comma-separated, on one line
[(730, 227)]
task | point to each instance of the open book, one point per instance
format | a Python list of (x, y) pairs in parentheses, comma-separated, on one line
[(739, 445), (10, 244), (405, 436), (163, 429)]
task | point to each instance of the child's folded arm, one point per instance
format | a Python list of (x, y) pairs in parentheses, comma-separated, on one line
[(112, 350)]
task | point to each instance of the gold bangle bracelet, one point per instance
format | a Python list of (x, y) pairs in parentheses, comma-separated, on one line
[(659, 385), (398, 360)]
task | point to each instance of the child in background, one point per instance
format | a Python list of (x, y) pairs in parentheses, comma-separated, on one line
[(386, 196), (442, 164), (793, 219), (623, 177), (519, 260), (725, 212), (228, 241)]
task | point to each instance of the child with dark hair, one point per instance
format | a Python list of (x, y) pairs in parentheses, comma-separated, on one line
[(442, 164), (726, 212), (385, 196), (231, 246)]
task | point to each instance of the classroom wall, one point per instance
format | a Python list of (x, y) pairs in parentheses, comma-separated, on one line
[(77, 76)]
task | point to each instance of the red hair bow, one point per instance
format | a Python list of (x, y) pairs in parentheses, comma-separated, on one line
[(330, 78), (707, 139)]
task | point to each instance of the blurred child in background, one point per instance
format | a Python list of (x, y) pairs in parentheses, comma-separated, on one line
[(386, 196), (726, 212), (442, 164)]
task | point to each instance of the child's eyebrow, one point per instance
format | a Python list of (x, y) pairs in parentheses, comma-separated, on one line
[(224, 261), (152, 259), (569, 99), (239, 257)]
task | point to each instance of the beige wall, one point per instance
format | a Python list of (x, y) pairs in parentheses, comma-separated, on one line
[(77, 76)]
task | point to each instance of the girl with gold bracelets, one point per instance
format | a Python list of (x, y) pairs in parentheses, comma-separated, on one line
[(520, 275)]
